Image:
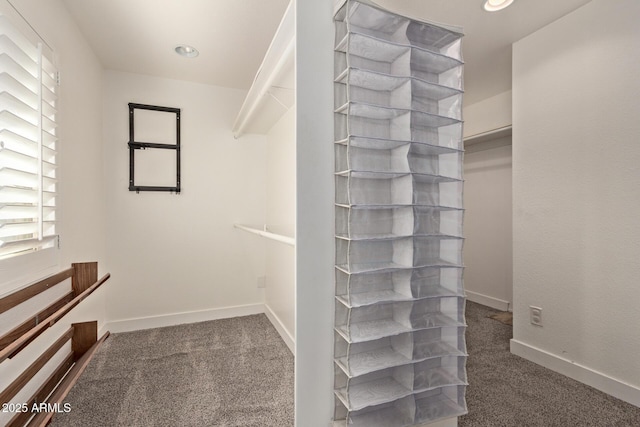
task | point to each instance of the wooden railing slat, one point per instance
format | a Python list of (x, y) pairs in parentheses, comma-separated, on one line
[(32, 322), (17, 384), (42, 418), (20, 419), (12, 349), (16, 298), (64, 310), (83, 337)]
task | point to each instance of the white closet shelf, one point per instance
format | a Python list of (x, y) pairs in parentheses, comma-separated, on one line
[(272, 91), (375, 112), (378, 22), (376, 329), (389, 144), (387, 357), (373, 393), (428, 409), (373, 48), (488, 135), (419, 177), (267, 234), (374, 80), (391, 266), (352, 237), (422, 206), (361, 299), (387, 389)]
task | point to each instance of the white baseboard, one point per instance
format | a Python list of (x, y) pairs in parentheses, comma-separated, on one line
[(288, 339), (498, 304), (139, 323), (585, 375)]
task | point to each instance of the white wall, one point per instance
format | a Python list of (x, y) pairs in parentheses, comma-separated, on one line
[(81, 201), (488, 275), (177, 258), (576, 158), (281, 210), (314, 214)]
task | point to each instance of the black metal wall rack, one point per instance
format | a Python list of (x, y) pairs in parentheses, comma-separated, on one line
[(139, 145)]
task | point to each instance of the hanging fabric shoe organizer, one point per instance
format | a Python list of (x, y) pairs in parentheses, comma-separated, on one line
[(400, 352)]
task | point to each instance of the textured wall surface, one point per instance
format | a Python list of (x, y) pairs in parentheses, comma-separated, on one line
[(576, 169)]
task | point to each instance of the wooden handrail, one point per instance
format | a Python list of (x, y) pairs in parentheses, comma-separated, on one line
[(15, 347)]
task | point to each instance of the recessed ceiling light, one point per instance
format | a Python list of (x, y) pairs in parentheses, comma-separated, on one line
[(496, 5), (187, 51)]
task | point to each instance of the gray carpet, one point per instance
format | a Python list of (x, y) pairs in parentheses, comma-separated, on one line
[(506, 390), (239, 373), (231, 372)]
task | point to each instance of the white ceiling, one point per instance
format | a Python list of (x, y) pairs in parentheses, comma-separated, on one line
[(486, 47), (232, 35), (139, 36)]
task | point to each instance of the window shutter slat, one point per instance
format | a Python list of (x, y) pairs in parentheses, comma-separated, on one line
[(18, 160), (20, 194), (19, 231), (13, 210), (12, 68), (49, 81), (49, 110), (18, 39), (49, 125), (8, 84), (18, 125), (49, 140), (11, 104), (48, 95), (25, 246), (9, 48), (16, 143), (49, 155), (8, 221), (48, 67)]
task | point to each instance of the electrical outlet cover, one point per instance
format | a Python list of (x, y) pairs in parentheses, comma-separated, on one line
[(535, 315)]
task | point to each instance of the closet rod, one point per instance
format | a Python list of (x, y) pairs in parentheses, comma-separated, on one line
[(267, 234)]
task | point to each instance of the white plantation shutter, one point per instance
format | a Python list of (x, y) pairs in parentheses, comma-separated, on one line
[(28, 86)]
